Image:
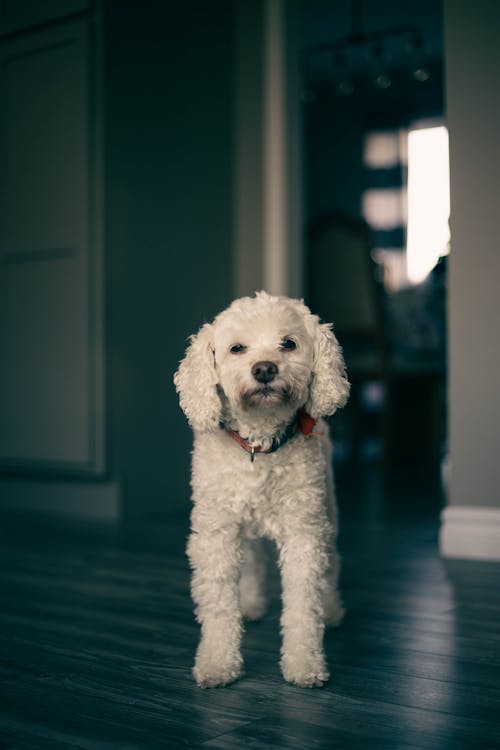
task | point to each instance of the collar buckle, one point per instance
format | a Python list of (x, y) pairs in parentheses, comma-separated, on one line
[(302, 423)]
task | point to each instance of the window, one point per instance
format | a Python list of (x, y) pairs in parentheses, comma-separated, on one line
[(428, 233), (407, 201)]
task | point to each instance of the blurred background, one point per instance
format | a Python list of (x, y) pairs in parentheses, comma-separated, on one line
[(160, 159)]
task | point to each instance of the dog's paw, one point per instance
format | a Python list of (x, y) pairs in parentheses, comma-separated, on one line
[(305, 669), (253, 609), (216, 676), (216, 669)]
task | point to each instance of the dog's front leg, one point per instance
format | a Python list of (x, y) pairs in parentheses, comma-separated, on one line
[(303, 561), (215, 557)]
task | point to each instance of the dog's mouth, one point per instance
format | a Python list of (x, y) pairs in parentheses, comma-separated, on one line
[(265, 395), (266, 390)]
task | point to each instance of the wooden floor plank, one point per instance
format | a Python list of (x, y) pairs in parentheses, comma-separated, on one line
[(97, 638)]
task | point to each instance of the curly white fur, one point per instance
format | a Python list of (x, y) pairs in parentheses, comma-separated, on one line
[(285, 495)]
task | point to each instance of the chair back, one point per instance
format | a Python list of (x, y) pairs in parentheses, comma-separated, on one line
[(342, 288)]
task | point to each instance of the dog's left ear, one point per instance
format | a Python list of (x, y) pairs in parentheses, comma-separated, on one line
[(329, 387), (196, 382)]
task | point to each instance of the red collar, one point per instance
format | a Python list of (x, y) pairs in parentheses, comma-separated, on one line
[(303, 422)]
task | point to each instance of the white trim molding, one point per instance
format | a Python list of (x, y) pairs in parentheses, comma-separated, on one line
[(471, 533), (275, 193), (267, 157), (281, 210)]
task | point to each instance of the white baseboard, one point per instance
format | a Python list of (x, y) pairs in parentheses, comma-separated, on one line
[(470, 533), (98, 501)]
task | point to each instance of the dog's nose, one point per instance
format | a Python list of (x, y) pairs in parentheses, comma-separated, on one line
[(264, 371)]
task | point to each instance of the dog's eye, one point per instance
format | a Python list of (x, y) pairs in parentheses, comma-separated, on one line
[(238, 349), (288, 344)]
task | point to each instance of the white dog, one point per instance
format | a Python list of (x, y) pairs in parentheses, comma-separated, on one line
[(253, 385)]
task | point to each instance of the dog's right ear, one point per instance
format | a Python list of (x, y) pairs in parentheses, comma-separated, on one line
[(196, 382)]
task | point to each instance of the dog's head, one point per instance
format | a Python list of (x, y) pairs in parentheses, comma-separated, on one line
[(266, 354)]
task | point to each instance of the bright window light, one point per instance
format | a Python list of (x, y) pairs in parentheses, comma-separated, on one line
[(384, 208), (383, 150), (428, 233)]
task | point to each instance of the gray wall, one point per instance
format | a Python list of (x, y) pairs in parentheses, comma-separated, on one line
[(169, 110), (473, 99)]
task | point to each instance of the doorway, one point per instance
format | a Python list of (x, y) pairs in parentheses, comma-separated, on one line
[(373, 106)]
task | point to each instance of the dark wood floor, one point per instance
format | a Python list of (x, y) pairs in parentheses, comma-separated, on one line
[(97, 639)]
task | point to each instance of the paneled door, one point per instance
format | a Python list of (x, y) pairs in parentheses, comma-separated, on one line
[(51, 332)]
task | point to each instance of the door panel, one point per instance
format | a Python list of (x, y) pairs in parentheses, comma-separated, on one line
[(51, 344), (46, 98), (45, 389), (19, 14)]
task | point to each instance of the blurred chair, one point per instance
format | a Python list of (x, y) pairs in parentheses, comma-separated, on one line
[(343, 289)]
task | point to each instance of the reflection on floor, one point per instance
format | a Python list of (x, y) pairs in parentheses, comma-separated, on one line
[(97, 639)]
